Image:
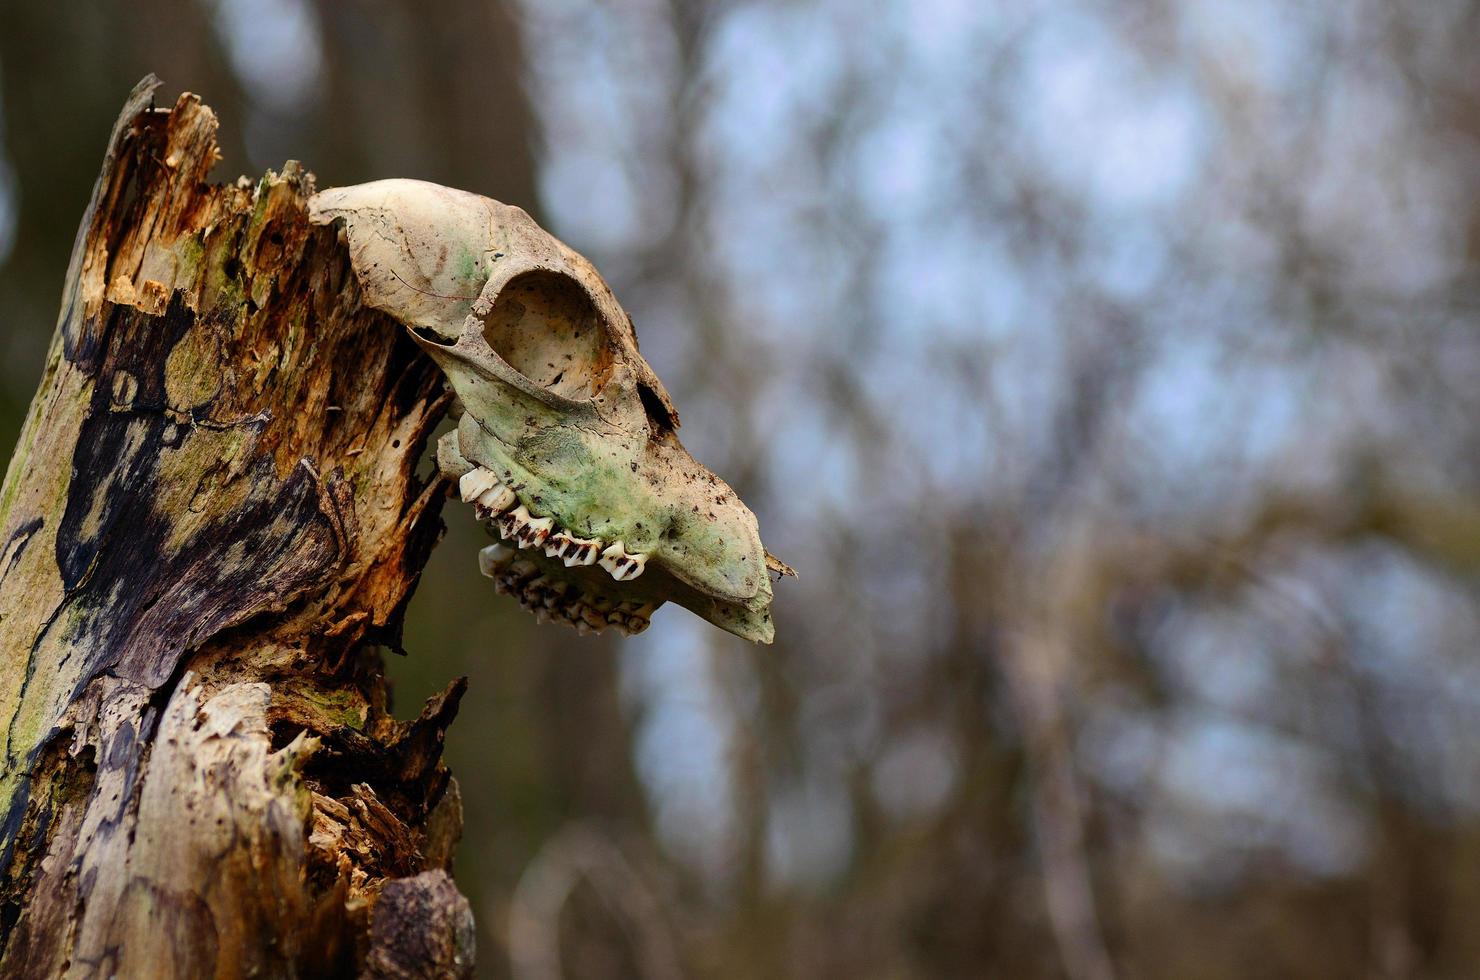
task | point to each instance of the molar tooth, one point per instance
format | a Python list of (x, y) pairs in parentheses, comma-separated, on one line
[(613, 559), (497, 498), (511, 523), (637, 563), (545, 592), (584, 553), (571, 549), (494, 557), (556, 544), (592, 617), (623, 567), (535, 531), (475, 482)]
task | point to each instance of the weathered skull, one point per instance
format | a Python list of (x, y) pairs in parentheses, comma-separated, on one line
[(566, 442)]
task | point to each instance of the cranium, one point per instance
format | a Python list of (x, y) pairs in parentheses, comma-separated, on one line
[(566, 443)]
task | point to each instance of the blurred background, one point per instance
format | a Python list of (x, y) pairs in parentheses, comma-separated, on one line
[(1110, 372)]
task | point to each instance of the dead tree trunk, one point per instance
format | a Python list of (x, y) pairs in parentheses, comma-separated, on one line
[(211, 521)]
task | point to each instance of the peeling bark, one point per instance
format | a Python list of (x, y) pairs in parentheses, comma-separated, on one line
[(211, 520)]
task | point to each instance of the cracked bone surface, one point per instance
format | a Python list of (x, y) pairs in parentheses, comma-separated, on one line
[(567, 439)]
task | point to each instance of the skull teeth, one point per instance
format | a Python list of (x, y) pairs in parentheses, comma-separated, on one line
[(493, 558), (480, 487), (496, 500), (512, 522), (554, 601), (524, 530), (622, 566), (550, 599), (475, 482), (521, 528), (535, 531), (571, 549)]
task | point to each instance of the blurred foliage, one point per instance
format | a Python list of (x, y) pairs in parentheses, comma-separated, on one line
[(1108, 370)]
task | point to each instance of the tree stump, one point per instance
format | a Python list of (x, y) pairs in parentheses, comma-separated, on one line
[(211, 523)]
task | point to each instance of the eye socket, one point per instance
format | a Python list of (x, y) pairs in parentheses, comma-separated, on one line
[(545, 326)]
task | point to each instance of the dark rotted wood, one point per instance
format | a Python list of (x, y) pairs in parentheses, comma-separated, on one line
[(211, 520), (421, 925)]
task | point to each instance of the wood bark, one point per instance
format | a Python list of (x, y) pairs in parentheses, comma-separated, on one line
[(211, 524)]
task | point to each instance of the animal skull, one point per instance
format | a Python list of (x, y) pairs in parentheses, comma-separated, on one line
[(566, 445)]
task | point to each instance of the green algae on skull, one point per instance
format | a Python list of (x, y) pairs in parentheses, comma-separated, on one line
[(567, 437)]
